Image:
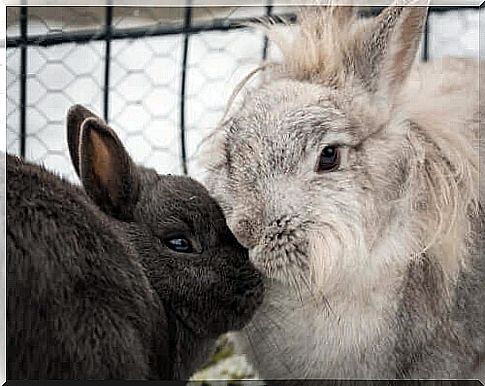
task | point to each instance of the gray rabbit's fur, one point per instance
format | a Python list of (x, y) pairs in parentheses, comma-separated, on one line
[(373, 269), (94, 292)]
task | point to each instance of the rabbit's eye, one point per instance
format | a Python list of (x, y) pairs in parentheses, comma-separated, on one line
[(179, 244), (329, 159)]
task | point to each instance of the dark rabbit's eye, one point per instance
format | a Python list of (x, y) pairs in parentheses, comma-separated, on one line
[(329, 159), (179, 244)]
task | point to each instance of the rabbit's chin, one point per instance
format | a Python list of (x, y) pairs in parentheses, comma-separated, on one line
[(288, 269), (229, 312), (223, 320)]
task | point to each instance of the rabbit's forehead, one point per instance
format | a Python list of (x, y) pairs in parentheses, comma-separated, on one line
[(179, 199), (297, 124), (281, 96), (295, 109)]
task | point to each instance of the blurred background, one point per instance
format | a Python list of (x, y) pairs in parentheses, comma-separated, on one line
[(160, 76)]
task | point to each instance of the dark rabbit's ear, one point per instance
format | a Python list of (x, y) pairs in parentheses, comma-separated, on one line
[(76, 115), (107, 172)]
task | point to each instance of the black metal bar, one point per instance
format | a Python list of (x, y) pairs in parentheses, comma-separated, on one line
[(23, 81), (128, 33), (269, 9), (183, 86), (159, 30), (132, 33), (373, 11), (425, 53), (107, 60)]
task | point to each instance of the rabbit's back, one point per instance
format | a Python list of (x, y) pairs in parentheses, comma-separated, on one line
[(79, 305)]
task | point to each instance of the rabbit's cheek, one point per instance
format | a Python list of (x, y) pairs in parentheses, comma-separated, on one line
[(189, 320)]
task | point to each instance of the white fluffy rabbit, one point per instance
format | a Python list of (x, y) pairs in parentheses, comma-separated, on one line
[(351, 174)]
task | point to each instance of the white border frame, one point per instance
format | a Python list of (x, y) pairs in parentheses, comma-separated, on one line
[(159, 3)]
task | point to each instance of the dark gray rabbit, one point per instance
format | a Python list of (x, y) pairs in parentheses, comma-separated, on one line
[(133, 280)]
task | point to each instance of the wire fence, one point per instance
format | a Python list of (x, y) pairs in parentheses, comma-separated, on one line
[(160, 76)]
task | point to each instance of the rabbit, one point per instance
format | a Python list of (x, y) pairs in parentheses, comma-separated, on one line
[(134, 275), (350, 172)]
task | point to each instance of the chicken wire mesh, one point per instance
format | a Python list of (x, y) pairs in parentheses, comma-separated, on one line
[(160, 76)]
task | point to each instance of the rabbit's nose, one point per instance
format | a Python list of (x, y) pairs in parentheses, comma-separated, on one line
[(246, 232)]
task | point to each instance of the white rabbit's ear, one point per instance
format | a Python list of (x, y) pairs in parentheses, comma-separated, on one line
[(389, 46), (107, 172)]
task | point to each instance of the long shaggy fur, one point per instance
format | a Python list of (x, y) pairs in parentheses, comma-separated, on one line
[(373, 270), (322, 40)]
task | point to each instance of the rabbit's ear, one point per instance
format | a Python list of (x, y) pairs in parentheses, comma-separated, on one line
[(390, 45), (76, 115), (107, 172)]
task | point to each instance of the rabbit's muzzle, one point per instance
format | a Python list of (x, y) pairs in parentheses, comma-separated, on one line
[(277, 247), (250, 232), (247, 232)]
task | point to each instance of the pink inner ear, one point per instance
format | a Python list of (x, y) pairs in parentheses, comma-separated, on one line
[(102, 163)]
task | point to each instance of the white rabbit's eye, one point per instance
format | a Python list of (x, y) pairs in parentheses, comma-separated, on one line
[(329, 159), (179, 244)]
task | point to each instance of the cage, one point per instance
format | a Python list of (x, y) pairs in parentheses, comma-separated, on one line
[(160, 76)]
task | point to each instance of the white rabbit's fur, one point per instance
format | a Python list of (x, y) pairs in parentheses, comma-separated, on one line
[(373, 270)]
